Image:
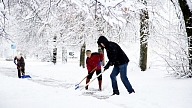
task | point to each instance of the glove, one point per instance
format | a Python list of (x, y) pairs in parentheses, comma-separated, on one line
[(15, 63), (99, 63), (89, 72), (106, 67)]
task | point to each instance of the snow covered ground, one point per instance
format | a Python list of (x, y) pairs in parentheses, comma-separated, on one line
[(52, 86)]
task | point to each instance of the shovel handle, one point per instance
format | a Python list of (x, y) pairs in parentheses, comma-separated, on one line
[(87, 75), (19, 69)]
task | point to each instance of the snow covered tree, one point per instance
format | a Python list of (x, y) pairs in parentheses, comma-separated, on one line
[(3, 13), (75, 22), (187, 14), (54, 50), (144, 34), (101, 51), (82, 55), (183, 11), (64, 55)]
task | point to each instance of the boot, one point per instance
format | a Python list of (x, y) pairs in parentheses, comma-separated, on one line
[(100, 83), (133, 91), (115, 93), (87, 81)]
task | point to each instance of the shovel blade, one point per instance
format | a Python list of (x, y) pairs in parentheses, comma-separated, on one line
[(26, 76), (76, 86)]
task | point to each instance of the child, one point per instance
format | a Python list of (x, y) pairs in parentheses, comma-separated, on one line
[(93, 64)]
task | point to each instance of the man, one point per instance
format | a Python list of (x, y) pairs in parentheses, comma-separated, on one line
[(93, 63), (20, 64), (119, 59)]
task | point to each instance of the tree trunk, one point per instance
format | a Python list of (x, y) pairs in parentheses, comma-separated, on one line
[(54, 50), (102, 51), (82, 55), (188, 24), (54, 55), (144, 33), (64, 55)]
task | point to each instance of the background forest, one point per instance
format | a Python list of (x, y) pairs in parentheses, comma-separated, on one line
[(152, 30)]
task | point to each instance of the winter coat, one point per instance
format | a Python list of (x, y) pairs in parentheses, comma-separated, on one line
[(20, 63), (93, 61), (115, 54)]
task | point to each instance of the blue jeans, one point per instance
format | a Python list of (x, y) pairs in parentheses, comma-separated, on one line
[(122, 69)]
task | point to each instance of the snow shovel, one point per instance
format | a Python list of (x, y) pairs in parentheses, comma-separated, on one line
[(23, 74), (77, 85), (91, 80)]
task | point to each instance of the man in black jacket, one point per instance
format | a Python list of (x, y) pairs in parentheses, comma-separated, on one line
[(119, 59)]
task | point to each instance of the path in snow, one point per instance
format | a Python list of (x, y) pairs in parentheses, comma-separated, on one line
[(153, 88)]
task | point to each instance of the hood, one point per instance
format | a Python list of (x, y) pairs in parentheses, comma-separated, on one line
[(103, 40)]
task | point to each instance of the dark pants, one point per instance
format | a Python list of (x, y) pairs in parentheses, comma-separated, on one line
[(19, 72), (122, 69), (97, 73)]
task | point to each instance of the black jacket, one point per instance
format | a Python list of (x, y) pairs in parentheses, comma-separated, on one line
[(20, 63), (115, 54)]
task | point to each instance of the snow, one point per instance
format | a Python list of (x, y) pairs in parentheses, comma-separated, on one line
[(53, 86), (1, 7), (29, 15), (189, 2)]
